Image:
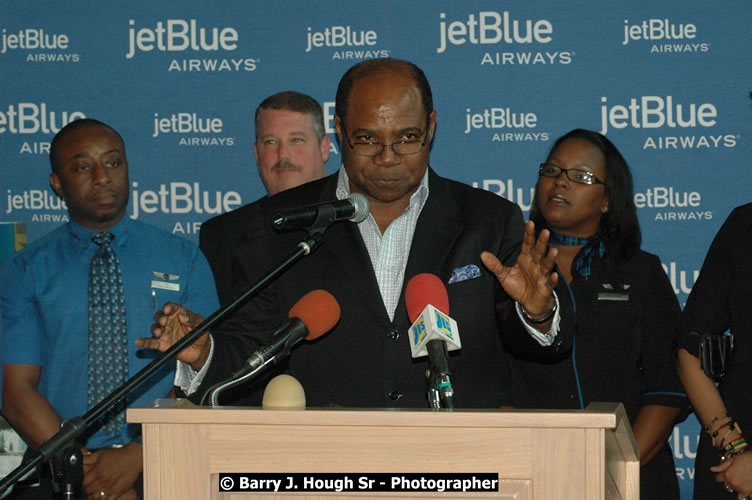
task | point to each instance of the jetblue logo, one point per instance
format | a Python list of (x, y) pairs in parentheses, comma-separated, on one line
[(655, 112), (42, 204), (675, 206), (34, 199), (182, 198), (178, 198), (499, 118), (340, 36), (181, 36), (177, 35), (506, 189), (492, 28), (30, 39), (188, 126), (519, 40), (507, 125), (349, 43), (31, 118), (658, 112), (658, 29), (38, 45), (662, 197), (664, 36), (682, 280), (186, 123)]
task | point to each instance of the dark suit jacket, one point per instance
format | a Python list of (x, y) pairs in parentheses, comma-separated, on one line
[(365, 360), (218, 236)]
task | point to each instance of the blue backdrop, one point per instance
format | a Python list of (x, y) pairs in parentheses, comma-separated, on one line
[(668, 83)]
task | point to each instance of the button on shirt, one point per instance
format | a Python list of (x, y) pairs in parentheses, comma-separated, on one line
[(43, 306)]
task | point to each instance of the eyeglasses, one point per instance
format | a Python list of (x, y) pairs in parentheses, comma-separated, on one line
[(573, 174), (402, 148)]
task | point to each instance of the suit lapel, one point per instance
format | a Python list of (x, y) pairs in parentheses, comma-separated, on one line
[(439, 226), (344, 244)]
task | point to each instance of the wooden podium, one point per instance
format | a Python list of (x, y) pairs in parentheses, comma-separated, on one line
[(573, 454)]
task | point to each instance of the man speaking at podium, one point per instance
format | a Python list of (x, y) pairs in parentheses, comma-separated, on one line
[(419, 222)]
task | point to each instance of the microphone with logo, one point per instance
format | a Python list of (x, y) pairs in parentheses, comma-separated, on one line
[(312, 316), (432, 333), (354, 208)]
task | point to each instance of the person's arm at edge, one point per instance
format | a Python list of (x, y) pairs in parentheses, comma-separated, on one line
[(24, 407), (652, 428), (663, 403)]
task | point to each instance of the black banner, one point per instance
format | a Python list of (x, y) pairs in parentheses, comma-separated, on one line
[(326, 482)]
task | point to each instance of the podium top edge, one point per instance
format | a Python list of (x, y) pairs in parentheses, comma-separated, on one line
[(171, 411)]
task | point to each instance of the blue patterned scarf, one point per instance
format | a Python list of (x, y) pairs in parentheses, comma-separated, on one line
[(584, 258)]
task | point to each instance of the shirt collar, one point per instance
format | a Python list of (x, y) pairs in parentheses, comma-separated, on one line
[(83, 235), (417, 200)]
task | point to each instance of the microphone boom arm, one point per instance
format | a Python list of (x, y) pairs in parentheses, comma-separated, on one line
[(279, 348), (217, 389)]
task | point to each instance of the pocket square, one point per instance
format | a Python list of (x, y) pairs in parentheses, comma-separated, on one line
[(464, 273)]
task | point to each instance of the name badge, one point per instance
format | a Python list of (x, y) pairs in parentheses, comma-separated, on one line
[(165, 281), (165, 285), (611, 294)]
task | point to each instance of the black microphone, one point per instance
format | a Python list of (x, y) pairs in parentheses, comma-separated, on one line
[(355, 209), (283, 340)]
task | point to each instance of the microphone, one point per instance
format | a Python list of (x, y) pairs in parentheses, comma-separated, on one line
[(354, 208), (312, 316), (433, 333)]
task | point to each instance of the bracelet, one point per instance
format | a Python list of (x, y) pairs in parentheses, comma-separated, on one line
[(737, 451), (540, 321), (730, 424), (734, 448), (734, 444), (731, 428), (708, 427)]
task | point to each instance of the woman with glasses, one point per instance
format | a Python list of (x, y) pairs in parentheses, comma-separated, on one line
[(626, 311), (720, 301)]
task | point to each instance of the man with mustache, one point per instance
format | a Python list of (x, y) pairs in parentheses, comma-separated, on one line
[(86, 288), (291, 149)]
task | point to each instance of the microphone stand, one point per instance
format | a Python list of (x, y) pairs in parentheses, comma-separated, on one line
[(70, 472), (214, 391), (70, 429), (280, 347), (438, 377)]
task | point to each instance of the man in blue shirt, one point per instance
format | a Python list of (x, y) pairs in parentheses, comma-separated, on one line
[(44, 302)]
